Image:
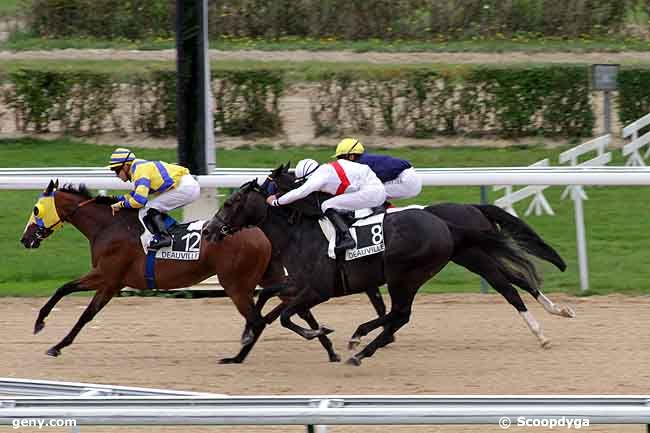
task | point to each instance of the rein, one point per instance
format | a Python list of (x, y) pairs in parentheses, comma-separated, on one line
[(79, 206)]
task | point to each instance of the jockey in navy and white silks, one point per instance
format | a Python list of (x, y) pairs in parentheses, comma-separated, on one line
[(353, 185), (397, 175)]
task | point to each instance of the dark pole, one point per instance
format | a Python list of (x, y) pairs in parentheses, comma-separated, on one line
[(484, 200), (190, 69)]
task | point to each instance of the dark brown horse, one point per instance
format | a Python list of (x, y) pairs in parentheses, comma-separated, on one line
[(118, 259)]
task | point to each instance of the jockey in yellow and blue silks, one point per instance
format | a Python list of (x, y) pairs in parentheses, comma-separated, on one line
[(158, 187)]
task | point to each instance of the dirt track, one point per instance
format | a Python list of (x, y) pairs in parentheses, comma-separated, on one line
[(340, 56), (454, 344)]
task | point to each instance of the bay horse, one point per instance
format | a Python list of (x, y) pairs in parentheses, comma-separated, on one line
[(118, 259), (485, 217), (418, 245)]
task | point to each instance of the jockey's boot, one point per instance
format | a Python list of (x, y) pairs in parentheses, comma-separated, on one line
[(161, 237), (344, 240)]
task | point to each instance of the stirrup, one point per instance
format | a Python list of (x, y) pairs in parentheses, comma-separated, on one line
[(344, 244), (160, 242)]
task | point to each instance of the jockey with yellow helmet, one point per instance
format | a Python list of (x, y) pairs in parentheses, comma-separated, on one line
[(397, 175), (158, 187), (353, 185)]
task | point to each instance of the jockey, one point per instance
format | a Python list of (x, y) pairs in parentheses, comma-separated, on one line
[(397, 175), (172, 185), (353, 185)]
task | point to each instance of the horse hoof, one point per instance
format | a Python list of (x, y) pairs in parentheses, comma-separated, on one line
[(229, 361), (568, 312), (354, 343), (353, 361), (38, 327), (546, 344), (335, 358), (324, 330), (53, 352)]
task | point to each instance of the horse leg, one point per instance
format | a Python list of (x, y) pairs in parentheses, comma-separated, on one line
[(397, 319), (64, 290), (308, 317), (549, 306), (99, 300), (305, 300), (481, 263), (366, 328), (378, 303), (254, 325), (265, 295)]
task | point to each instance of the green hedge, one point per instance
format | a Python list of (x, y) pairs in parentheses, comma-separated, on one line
[(416, 102), (357, 19), (634, 94), (78, 103), (550, 101)]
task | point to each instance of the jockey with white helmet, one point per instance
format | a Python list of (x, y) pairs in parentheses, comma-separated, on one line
[(354, 186)]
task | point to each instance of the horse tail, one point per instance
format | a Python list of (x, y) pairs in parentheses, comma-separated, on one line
[(510, 257), (525, 237)]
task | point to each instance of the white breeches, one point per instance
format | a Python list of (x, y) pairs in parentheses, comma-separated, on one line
[(406, 185), (368, 196), (184, 193)]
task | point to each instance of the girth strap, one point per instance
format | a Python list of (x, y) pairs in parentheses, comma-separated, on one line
[(149, 270)]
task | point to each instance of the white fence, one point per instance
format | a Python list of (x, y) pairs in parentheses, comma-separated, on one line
[(92, 404), (430, 177), (340, 410)]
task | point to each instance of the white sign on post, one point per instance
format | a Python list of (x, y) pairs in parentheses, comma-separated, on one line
[(539, 204), (632, 148), (571, 156)]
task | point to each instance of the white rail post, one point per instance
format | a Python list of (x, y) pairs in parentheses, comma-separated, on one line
[(632, 148), (539, 204), (571, 156)]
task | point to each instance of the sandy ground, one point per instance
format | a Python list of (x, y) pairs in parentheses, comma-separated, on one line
[(454, 344)]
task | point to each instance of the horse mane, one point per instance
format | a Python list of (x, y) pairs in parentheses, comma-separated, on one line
[(308, 206), (82, 190)]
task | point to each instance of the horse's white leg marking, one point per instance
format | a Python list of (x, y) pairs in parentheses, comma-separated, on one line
[(558, 310), (536, 328)]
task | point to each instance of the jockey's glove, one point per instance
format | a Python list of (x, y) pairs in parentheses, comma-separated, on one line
[(118, 205)]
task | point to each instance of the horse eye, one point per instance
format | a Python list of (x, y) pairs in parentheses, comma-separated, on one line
[(35, 211)]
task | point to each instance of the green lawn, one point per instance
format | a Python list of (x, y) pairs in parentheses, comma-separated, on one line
[(25, 41), (615, 217)]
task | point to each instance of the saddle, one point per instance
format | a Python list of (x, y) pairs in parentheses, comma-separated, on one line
[(186, 239), (351, 217)]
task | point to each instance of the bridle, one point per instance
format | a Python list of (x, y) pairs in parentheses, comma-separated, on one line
[(228, 229), (43, 232)]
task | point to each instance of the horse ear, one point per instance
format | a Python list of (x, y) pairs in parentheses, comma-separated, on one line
[(254, 182), (56, 184), (50, 187)]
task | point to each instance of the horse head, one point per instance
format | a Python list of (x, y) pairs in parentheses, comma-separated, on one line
[(50, 211), (245, 207)]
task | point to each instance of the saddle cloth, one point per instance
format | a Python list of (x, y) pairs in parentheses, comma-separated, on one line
[(368, 233), (186, 239)]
